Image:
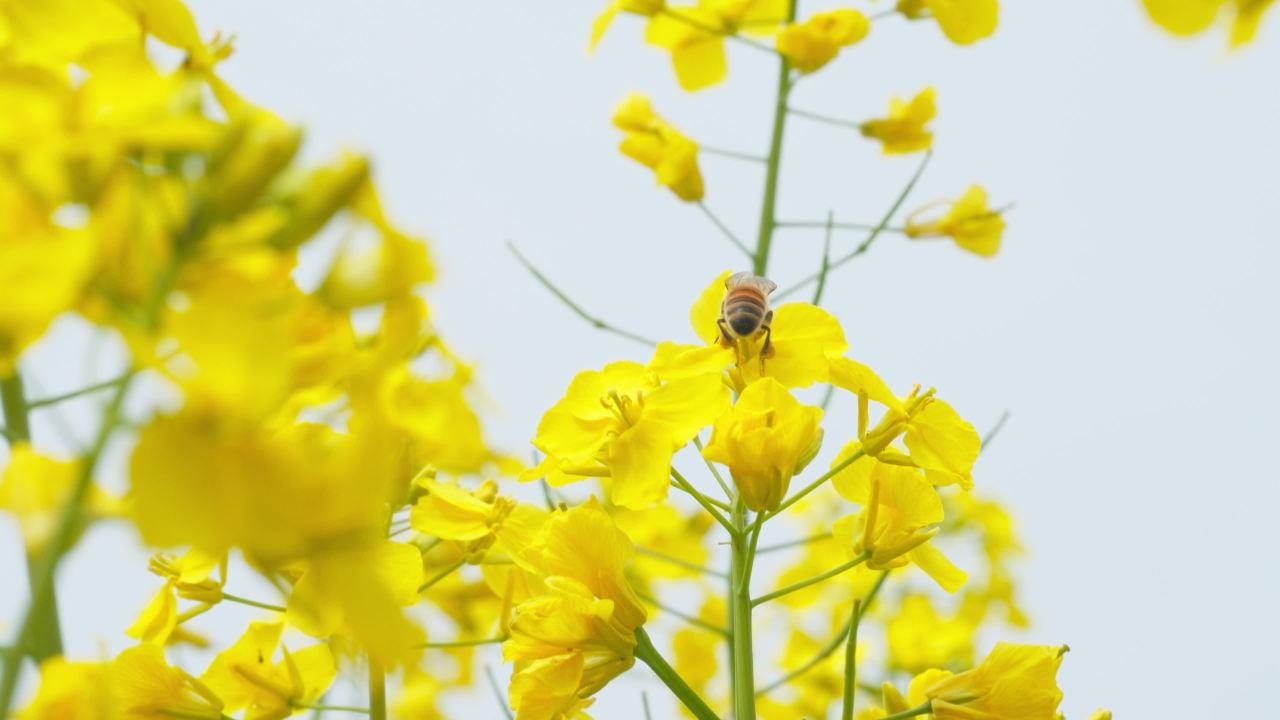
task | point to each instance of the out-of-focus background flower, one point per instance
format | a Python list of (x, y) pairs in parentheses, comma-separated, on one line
[(1127, 324)]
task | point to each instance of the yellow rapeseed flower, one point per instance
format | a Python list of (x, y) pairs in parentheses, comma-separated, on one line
[(920, 638), (816, 41), (1014, 681), (247, 676), (654, 143), (765, 439), (646, 8), (903, 131), (35, 487), (969, 222), (577, 630), (621, 422)]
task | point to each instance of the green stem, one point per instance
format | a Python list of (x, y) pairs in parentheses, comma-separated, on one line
[(744, 700), (769, 204), (697, 441), (991, 434), (42, 573), (251, 603), (377, 691), (703, 501), (465, 643), (924, 709), (96, 387), (851, 663), (319, 707), (838, 122), (861, 558), (718, 503), (815, 224), (731, 153), (649, 655), (497, 693), (793, 543), (724, 230), (825, 267), (577, 309), (46, 640)]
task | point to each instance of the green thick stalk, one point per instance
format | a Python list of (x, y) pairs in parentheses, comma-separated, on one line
[(744, 686), (377, 691), (649, 655), (46, 636), (768, 217)]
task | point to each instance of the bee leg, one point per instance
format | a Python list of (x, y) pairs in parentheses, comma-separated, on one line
[(766, 350), (726, 340)]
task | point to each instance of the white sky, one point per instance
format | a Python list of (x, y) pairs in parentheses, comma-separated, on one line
[(1124, 323)]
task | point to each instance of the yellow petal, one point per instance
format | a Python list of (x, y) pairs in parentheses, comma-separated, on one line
[(1183, 17), (944, 444), (640, 462), (706, 309), (965, 21), (158, 618), (937, 566)]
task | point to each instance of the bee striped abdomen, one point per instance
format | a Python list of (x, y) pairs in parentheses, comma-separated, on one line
[(744, 310)]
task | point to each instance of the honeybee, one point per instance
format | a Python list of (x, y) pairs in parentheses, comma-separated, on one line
[(744, 312)]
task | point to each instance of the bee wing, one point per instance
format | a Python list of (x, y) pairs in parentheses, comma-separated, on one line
[(763, 284)]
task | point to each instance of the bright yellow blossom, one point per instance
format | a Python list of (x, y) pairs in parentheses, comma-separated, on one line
[(962, 21), (904, 131), (577, 632), (765, 439), (919, 638), (246, 675), (1014, 681), (901, 511), (623, 423), (816, 41), (146, 687), (654, 143), (969, 222), (695, 35), (805, 340), (1190, 17)]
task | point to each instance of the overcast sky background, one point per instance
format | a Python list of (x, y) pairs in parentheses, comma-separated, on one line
[(1128, 323)]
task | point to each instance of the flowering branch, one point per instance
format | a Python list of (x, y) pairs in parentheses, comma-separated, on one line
[(861, 558), (649, 655)]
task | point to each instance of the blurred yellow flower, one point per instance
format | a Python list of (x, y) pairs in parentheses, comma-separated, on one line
[(816, 41), (765, 439), (962, 21), (622, 423), (904, 131), (654, 143), (969, 222), (919, 638), (146, 687), (600, 25), (1190, 17), (34, 488)]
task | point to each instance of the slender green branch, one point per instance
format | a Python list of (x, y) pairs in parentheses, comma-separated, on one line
[(703, 500), (731, 153), (691, 619), (448, 570), (991, 434), (46, 640), (831, 646), (861, 558), (672, 560), (823, 268), (793, 543), (319, 707), (649, 655), (464, 643), (724, 230), (718, 503), (577, 309), (865, 227), (497, 693), (377, 690), (817, 483), (826, 119), (851, 663), (251, 603), (924, 709), (644, 701), (96, 387), (827, 397), (768, 205), (547, 495), (697, 441), (875, 233)]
